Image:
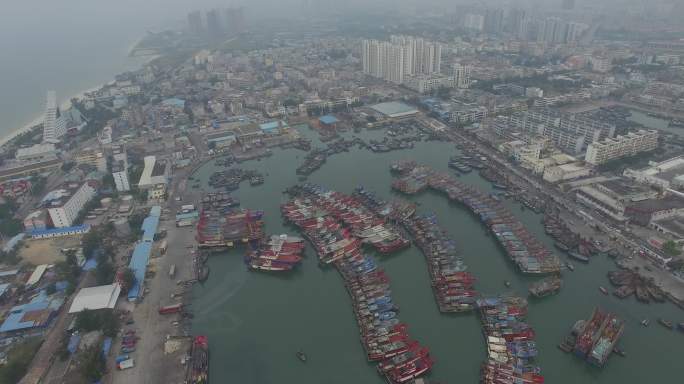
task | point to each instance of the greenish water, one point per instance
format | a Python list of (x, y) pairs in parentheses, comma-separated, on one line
[(654, 123), (256, 322)]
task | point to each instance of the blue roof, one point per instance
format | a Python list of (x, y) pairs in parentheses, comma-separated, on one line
[(328, 119), (189, 215), (74, 340), (106, 346), (150, 224), (139, 260), (14, 322), (53, 231), (90, 264), (13, 242), (3, 288), (174, 102), (273, 125)]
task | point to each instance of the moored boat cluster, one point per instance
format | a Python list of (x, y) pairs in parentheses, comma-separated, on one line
[(222, 228), (279, 253), (511, 347), (451, 284), (528, 253), (326, 221)]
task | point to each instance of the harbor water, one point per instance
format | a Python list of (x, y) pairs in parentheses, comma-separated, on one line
[(257, 321)]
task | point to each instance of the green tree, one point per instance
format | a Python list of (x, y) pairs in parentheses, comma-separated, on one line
[(18, 361), (127, 278), (104, 273), (38, 184), (671, 248), (91, 363)]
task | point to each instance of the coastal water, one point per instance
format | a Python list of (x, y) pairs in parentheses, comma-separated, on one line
[(68, 46), (256, 322)]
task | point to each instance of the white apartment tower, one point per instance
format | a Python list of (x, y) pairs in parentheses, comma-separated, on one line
[(54, 126), (402, 56)]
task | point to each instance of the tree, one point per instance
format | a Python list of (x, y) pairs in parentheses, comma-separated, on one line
[(671, 248), (90, 242), (51, 289), (18, 361), (91, 363), (38, 184), (104, 273), (127, 278)]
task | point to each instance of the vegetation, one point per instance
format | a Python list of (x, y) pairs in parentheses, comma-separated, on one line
[(127, 278), (91, 363), (104, 320), (671, 248), (18, 361), (68, 270), (104, 273), (38, 184)]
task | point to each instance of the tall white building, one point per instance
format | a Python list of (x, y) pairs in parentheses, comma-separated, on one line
[(461, 75), (402, 56), (54, 126), (120, 175), (65, 208), (474, 22)]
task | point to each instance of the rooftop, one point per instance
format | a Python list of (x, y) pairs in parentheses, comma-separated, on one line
[(394, 109), (94, 298), (36, 313), (328, 119)]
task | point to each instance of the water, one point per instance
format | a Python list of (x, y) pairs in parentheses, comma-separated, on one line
[(68, 46), (654, 122), (256, 322)]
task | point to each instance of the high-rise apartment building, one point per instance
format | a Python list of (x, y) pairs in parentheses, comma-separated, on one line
[(195, 23), (600, 152), (400, 57), (54, 125), (474, 22), (214, 24), (461, 75), (494, 21)]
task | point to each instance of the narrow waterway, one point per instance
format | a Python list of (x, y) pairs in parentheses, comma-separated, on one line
[(256, 322)]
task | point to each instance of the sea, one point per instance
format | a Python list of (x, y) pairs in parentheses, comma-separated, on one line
[(256, 322), (69, 46)]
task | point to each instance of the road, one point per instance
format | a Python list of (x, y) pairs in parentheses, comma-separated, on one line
[(585, 222)]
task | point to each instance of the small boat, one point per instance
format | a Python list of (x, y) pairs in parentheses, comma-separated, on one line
[(666, 323), (570, 266), (579, 256), (507, 283), (645, 322), (301, 356), (603, 290), (680, 326), (619, 352)]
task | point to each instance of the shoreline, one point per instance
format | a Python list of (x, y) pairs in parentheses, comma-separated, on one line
[(38, 119)]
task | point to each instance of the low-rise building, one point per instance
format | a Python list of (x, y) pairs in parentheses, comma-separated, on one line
[(601, 152), (37, 152), (564, 172), (92, 157), (645, 211), (665, 174), (36, 220), (428, 83), (613, 196)]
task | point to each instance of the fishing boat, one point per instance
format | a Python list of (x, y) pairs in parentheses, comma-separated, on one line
[(545, 287), (666, 323), (570, 266), (619, 352), (645, 322), (603, 290), (301, 356), (578, 256)]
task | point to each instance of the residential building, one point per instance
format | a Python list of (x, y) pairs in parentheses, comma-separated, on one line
[(36, 220), (65, 204), (92, 157), (600, 152), (461, 75), (646, 211), (429, 83), (36, 152), (401, 57), (494, 21), (54, 125), (120, 175), (474, 22), (195, 23)]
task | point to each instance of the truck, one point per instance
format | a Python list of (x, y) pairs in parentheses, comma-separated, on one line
[(172, 271), (170, 309), (126, 364)]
